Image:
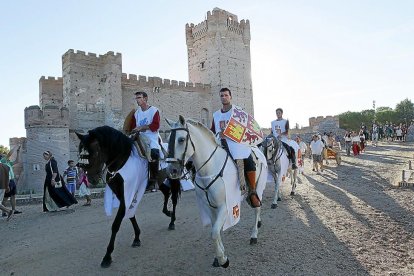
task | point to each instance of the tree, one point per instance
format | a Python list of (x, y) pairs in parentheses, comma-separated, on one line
[(383, 108), (4, 150), (405, 111)]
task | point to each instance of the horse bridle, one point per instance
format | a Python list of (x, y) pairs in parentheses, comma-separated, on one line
[(274, 157), (171, 159), (171, 146), (84, 155)]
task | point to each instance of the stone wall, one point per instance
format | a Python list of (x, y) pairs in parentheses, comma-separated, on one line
[(219, 54), (93, 91)]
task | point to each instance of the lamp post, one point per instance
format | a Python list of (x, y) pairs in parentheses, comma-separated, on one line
[(375, 111)]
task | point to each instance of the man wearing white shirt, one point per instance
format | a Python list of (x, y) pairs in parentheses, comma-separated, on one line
[(280, 129), (317, 147), (238, 151)]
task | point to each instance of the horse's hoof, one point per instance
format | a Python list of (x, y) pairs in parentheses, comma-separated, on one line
[(292, 193), (171, 227), (226, 264), (106, 262), (259, 224), (253, 241), (216, 263), (167, 213), (136, 243), (274, 206)]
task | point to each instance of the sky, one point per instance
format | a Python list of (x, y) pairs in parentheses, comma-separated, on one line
[(312, 58)]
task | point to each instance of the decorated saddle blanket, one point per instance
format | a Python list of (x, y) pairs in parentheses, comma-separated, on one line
[(135, 175), (233, 193)]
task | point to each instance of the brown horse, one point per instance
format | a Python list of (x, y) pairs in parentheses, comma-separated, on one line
[(4, 185)]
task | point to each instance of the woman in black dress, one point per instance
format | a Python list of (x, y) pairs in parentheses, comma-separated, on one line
[(54, 196)]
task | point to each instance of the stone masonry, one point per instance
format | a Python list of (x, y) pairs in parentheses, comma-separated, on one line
[(93, 91)]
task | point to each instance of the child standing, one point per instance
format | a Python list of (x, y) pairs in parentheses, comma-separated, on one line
[(71, 174), (84, 190)]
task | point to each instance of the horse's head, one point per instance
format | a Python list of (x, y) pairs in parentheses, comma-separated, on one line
[(91, 157), (180, 147), (270, 146)]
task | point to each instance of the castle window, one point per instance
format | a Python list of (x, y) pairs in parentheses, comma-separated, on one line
[(202, 65)]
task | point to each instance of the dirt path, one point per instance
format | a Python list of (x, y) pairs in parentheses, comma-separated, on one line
[(347, 221)]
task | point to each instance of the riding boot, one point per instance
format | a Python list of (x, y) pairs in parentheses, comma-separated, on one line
[(240, 171), (253, 198), (153, 175)]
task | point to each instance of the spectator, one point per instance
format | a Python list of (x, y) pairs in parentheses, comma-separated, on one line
[(12, 184), (317, 147), (71, 174), (55, 196), (84, 190)]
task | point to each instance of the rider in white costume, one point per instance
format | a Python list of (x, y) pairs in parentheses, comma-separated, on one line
[(147, 122), (280, 129), (237, 151)]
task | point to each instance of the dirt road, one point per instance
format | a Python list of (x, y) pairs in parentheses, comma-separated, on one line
[(347, 221)]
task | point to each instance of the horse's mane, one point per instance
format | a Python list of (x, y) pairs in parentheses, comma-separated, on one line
[(207, 132), (114, 142)]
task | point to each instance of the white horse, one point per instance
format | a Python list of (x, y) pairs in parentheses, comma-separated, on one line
[(278, 164), (217, 188)]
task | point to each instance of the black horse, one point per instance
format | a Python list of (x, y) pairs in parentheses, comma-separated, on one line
[(106, 147)]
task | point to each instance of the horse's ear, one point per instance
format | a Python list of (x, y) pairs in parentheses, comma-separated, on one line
[(181, 120), (80, 136), (169, 122)]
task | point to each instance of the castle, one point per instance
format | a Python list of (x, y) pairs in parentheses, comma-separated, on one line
[(93, 91)]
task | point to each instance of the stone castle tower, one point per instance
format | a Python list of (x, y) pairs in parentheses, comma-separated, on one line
[(93, 91), (219, 54)]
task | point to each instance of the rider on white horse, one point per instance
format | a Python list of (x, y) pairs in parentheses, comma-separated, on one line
[(280, 129), (241, 153)]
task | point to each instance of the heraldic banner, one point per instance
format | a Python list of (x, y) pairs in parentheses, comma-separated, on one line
[(243, 128)]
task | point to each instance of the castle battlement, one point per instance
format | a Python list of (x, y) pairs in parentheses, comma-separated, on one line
[(314, 121), (49, 116), (151, 82), (79, 56), (218, 19), (50, 79), (199, 30)]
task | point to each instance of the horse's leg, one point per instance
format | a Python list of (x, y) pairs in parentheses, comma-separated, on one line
[(255, 229), (278, 180), (137, 232), (107, 260), (218, 223), (166, 192), (293, 181), (175, 189)]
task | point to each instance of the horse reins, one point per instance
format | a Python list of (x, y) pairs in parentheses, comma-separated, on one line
[(170, 159)]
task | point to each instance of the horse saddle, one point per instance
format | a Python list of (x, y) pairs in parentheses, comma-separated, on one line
[(142, 143)]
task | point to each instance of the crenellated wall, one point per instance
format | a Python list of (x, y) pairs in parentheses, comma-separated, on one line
[(314, 121), (46, 129), (50, 91), (219, 54), (93, 91)]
